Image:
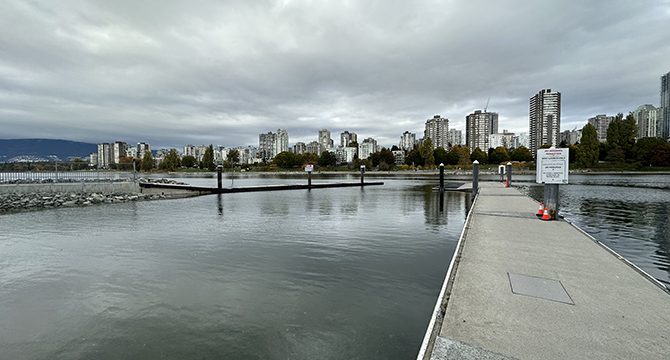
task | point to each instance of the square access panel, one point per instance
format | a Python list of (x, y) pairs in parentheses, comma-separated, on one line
[(539, 287)]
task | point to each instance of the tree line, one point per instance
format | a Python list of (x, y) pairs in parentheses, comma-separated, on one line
[(621, 147)]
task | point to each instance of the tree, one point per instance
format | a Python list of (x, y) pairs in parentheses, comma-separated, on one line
[(662, 155), (440, 155), (414, 158), (327, 159), (147, 161), (79, 164), (233, 157), (521, 154), (589, 147), (478, 155), (499, 155), (386, 156), (395, 148), (572, 153), (375, 158), (287, 159), (208, 158), (426, 152), (645, 148), (311, 158), (188, 161), (171, 162), (621, 135)]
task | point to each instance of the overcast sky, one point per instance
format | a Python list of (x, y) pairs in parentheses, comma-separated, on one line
[(196, 72)]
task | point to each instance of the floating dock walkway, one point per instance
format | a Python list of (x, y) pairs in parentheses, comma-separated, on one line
[(188, 190), (522, 288)]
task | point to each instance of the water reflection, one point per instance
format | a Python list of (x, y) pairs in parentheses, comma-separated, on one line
[(632, 220)]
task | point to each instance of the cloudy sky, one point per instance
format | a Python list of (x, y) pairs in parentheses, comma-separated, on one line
[(173, 73)]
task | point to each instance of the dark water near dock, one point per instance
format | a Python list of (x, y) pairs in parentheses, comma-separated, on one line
[(329, 274), (628, 213)]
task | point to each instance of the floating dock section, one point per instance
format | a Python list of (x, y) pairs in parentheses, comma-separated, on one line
[(188, 190), (522, 288)]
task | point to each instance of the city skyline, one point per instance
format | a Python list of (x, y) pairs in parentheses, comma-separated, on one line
[(226, 72)]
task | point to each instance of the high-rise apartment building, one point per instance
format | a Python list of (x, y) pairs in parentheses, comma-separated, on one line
[(544, 120), (649, 120), (143, 147), (299, 148), (494, 122), (119, 149), (665, 105), (280, 142), (325, 142), (347, 138), (478, 130), (437, 130), (601, 123), (504, 139), (455, 137), (104, 155), (367, 148), (312, 147), (571, 137), (266, 146), (407, 140)]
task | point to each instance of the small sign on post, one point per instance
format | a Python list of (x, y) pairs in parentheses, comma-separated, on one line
[(552, 169), (552, 166), (309, 168)]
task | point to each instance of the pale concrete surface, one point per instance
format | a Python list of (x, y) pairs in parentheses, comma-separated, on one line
[(617, 312)]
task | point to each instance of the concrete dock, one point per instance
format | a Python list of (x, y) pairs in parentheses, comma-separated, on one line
[(188, 190), (522, 288)]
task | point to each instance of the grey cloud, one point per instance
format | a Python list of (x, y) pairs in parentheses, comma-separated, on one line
[(222, 72)]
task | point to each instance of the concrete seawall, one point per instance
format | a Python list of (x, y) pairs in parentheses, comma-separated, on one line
[(79, 187)]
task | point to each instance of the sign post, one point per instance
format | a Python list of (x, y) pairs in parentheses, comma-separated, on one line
[(552, 170), (309, 168)]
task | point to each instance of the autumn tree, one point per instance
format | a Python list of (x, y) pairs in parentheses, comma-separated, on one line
[(426, 152), (645, 148), (287, 159), (499, 155), (479, 155), (521, 154)]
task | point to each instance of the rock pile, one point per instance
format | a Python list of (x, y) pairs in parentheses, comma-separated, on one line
[(34, 201), (162, 181)]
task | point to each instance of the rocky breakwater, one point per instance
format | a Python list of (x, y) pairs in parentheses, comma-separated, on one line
[(10, 202), (34, 201)]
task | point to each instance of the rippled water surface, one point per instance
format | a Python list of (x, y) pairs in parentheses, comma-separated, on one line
[(344, 273), (629, 213)]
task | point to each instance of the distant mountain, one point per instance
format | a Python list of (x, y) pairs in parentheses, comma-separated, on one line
[(22, 150)]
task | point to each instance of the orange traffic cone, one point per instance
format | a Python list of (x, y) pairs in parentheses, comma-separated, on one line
[(539, 211), (545, 216)]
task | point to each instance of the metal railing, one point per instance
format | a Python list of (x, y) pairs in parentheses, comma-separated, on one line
[(67, 176)]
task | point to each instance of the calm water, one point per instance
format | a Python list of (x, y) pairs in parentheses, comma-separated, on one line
[(629, 213), (325, 274)]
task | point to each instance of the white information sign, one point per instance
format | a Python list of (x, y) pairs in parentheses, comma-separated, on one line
[(552, 166), (308, 167)]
